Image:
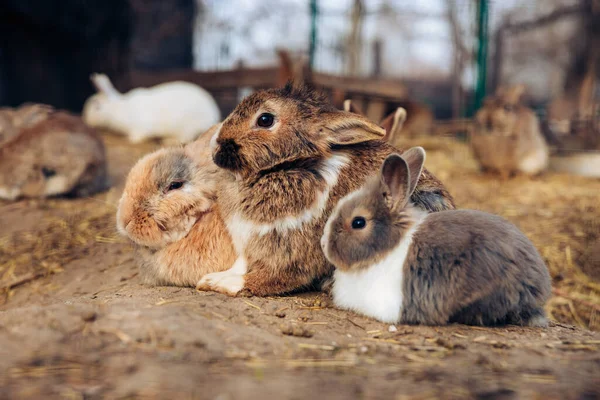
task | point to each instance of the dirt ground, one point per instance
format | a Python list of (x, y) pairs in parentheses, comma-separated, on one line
[(75, 321)]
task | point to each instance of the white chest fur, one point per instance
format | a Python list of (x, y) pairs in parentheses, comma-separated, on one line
[(242, 229), (375, 291)]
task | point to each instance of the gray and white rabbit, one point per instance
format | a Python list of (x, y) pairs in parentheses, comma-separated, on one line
[(397, 263)]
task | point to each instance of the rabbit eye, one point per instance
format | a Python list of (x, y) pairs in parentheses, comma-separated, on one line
[(358, 223), (175, 185), (48, 172), (265, 120), (508, 107)]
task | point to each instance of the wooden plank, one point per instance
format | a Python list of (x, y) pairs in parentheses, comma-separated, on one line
[(217, 80), (258, 78), (375, 110), (383, 88)]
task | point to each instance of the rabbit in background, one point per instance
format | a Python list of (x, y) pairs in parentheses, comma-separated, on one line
[(176, 111), (506, 137), (49, 153)]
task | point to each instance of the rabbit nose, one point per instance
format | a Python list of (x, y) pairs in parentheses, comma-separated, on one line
[(227, 155)]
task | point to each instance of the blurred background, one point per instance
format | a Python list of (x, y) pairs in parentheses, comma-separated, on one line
[(447, 54)]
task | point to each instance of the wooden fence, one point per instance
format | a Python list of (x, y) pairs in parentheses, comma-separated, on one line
[(372, 95)]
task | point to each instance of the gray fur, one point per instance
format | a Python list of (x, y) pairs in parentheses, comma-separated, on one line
[(473, 268), (175, 166), (462, 266)]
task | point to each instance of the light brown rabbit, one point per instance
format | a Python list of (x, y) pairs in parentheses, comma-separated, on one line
[(26, 115), (168, 209), (293, 155), (397, 263), (7, 130), (506, 137), (52, 153)]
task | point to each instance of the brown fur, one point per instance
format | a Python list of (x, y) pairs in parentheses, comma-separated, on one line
[(506, 132), (180, 235), (278, 176), (12, 121), (462, 266), (57, 143), (206, 248)]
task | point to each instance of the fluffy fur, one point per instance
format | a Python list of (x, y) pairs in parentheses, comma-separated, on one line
[(50, 153), (406, 266), (179, 233), (507, 137), (180, 111), (373, 291), (289, 176), (26, 115)]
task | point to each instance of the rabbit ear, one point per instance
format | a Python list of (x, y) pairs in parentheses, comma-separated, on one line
[(344, 128), (515, 93), (104, 85), (393, 124), (488, 101), (349, 106), (415, 158), (395, 175), (500, 91), (200, 149)]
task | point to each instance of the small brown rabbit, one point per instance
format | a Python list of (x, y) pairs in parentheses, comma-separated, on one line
[(26, 115), (507, 137), (168, 209), (397, 263), (53, 153), (293, 155), (7, 130)]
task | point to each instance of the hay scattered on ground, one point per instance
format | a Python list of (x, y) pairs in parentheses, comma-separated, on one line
[(559, 213), (59, 240)]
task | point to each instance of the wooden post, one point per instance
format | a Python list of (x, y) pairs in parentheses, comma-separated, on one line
[(314, 12), (377, 47), (482, 36), (355, 37), (496, 77)]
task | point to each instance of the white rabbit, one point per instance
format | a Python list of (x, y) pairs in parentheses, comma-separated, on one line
[(180, 111)]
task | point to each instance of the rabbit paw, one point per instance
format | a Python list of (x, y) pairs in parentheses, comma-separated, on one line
[(224, 282)]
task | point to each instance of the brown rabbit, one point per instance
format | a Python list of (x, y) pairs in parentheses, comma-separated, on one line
[(396, 263), (52, 153), (26, 115), (507, 137), (168, 209), (294, 155)]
